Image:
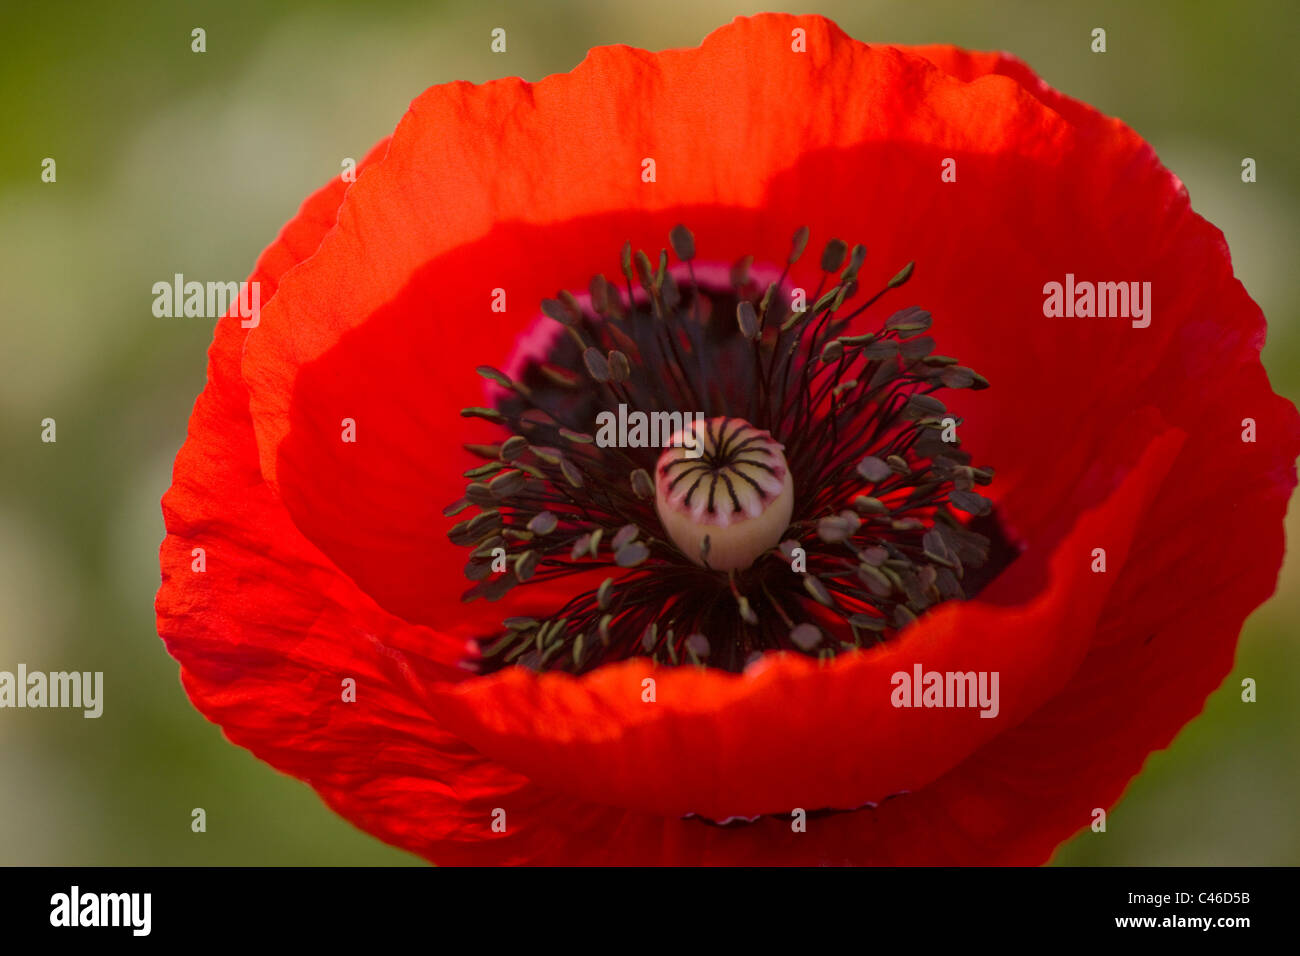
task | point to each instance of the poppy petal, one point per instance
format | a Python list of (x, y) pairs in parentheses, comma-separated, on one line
[(269, 630)]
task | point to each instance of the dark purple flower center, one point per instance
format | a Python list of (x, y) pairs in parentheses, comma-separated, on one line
[(702, 565)]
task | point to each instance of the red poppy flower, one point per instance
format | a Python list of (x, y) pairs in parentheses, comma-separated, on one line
[(1091, 529)]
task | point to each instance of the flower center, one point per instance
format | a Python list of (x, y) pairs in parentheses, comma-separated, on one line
[(745, 475)]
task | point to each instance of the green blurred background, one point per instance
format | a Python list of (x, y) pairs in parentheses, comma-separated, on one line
[(171, 161)]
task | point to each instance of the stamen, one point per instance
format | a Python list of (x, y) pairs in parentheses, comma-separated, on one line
[(786, 432)]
